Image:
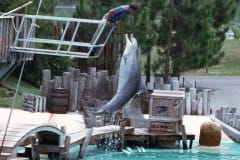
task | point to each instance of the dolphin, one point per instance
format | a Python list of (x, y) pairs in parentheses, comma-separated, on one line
[(130, 81)]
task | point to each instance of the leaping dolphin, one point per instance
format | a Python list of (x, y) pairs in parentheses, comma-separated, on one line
[(130, 81)]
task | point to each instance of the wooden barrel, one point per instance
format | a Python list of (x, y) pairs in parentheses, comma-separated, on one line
[(59, 100)]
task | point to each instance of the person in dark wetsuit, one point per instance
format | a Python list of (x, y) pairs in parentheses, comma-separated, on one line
[(120, 12), (111, 17)]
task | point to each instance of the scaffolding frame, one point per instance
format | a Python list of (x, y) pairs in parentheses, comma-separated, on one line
[(93, 49)]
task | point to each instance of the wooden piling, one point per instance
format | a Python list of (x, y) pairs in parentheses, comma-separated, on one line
[(66, 80), (188, 103), (184, 137), (224, 111), (166, 87), (81, 87), (175, 85), (92, 71), (199, 106), (194, 106), (236, 117), (73, 96), (228, 117), (46, 77), (85, 143), (158, 82), (122, 135), (58, 82)]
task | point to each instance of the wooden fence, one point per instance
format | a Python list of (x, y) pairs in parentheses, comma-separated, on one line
[(86, 90), (9, 25), (33, 103)]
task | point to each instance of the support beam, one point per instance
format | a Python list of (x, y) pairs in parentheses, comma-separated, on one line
[(85, 144)]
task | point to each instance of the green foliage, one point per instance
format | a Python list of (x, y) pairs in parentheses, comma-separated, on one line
[(33, 70), (235, 24), (6, 93)]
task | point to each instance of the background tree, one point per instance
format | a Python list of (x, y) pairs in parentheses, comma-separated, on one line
[(190, 34)]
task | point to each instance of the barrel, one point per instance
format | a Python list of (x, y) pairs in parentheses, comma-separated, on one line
[(59, 100)]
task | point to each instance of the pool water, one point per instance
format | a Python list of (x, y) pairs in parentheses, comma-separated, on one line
[(227, 151)]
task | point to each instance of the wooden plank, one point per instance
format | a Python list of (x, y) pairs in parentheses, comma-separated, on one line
[(11, 138), (8, 144), (13, 134), (85, 143), (98, 133)]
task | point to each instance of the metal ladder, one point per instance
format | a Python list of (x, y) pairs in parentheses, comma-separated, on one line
[(61, 47)]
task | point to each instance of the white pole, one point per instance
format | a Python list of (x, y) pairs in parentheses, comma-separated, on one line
[(16, 9)]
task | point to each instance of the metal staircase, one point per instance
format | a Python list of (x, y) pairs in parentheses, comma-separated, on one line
[(21, 45), (61, 46)]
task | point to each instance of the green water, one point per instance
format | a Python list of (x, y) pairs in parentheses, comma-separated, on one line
[(227, 151)]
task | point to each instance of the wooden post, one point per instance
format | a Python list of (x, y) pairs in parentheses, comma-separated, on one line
[(35, 154), (238, 125), (158, 82), (58, 81), (228, 117), (193, 92), (92, 71), (73, 96), (66, 80), (46, 77), (209, 102), (175, 85), (224, 110), (236, 117), (122, 135), (218, 114), (184, 137), (85, 143), (166, 87), (205, 101), (102, 85), (199, 106), (81, 86), (65, 153), (194, 107), (188, 103), (114, 84), (75, 75)]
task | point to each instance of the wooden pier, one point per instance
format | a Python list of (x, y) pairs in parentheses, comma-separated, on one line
[(47, 138), (160, 140)]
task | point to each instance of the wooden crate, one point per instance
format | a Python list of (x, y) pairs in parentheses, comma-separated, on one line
[(166, 104)]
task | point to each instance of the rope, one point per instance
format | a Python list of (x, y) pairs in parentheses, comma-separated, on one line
[(39, 5), (13, 103)]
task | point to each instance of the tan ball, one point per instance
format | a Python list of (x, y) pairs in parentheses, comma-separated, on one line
[(210, 134)]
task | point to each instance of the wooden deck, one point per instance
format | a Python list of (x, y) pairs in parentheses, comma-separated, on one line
[(98, 133), (20, 132), (17, 133), (142, 134)]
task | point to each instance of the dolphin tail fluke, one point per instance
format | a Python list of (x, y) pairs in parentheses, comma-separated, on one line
[(89, 118), (143, 88)]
